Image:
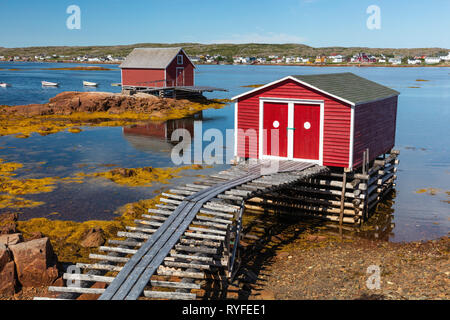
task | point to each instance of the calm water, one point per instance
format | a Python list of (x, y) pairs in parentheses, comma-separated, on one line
[(422, 137)]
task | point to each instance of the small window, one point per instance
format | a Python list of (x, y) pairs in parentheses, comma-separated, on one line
[(180, 59)]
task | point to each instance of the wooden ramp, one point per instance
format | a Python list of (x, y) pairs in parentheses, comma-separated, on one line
[(192, 235)]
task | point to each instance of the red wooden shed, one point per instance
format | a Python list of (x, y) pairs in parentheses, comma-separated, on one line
[(157, 67), (328, 119)]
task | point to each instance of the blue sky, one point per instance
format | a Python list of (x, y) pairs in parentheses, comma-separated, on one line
[(316, 23)]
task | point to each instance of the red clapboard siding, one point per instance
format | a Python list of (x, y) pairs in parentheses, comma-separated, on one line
[(337, 117), (143, 77), (375, 125)]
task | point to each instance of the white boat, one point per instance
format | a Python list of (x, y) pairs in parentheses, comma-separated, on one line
[(4, 84), (49, 84), (89, 84)]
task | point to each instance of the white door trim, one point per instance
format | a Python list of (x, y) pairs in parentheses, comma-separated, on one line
[(291, 103), (176, 76)]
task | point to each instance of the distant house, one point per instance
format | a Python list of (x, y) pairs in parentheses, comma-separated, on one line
[(432, 60), (445, 58), (414, 61), (363, 58), (336, 58), (395, 61), (261, 60), (157, 67), (320, 59), (290, 60)]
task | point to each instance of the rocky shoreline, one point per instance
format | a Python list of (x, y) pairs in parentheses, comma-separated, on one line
[(72, 110), (319, 267), (315, 266), (25, 263)]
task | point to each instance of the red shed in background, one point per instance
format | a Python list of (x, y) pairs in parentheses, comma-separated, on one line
[(328, 119), (157, 68)]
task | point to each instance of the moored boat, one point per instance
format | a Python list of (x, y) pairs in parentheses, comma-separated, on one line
[(89, 84), (4, 85), (49, 84)]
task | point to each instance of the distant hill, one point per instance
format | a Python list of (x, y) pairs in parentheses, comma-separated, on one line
[(251, 49)]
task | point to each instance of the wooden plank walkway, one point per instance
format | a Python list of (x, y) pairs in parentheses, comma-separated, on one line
[(194, 231)]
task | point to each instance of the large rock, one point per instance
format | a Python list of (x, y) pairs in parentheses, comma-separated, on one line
[(7, 272), (94, 238), (69, 102), (36, 263), (11, 239)]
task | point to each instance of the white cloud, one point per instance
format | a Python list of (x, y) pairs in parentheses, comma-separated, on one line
[(269, 37)]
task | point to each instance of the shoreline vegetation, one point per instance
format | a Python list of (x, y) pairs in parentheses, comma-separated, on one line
[(72, 110), (67, 236), (73, 241)]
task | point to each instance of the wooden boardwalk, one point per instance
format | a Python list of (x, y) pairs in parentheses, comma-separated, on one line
[(192, 235)]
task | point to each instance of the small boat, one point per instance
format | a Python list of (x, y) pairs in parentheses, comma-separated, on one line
[(89, 84), (4, 85), (49, 84), (116, 84)]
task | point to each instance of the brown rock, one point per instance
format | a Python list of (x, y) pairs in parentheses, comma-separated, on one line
[(8, 228), (11, 239), (66, 103), (35, 235), (4, 255), (7, 273), (8, 217), (8, 280), (94, 238), (8, 223), (36, 263)]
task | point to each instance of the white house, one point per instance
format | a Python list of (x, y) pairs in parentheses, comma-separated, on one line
[(336, 59), (290, 60), (432, 60), (446, 58), (414, 61), (261, 60), (395, 60)]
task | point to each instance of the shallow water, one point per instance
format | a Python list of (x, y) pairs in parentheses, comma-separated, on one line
[(422, 137)]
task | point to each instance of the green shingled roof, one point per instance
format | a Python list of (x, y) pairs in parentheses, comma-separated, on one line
[(348, 86)]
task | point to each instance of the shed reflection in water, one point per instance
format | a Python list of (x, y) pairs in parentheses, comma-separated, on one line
[(157, 136)]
